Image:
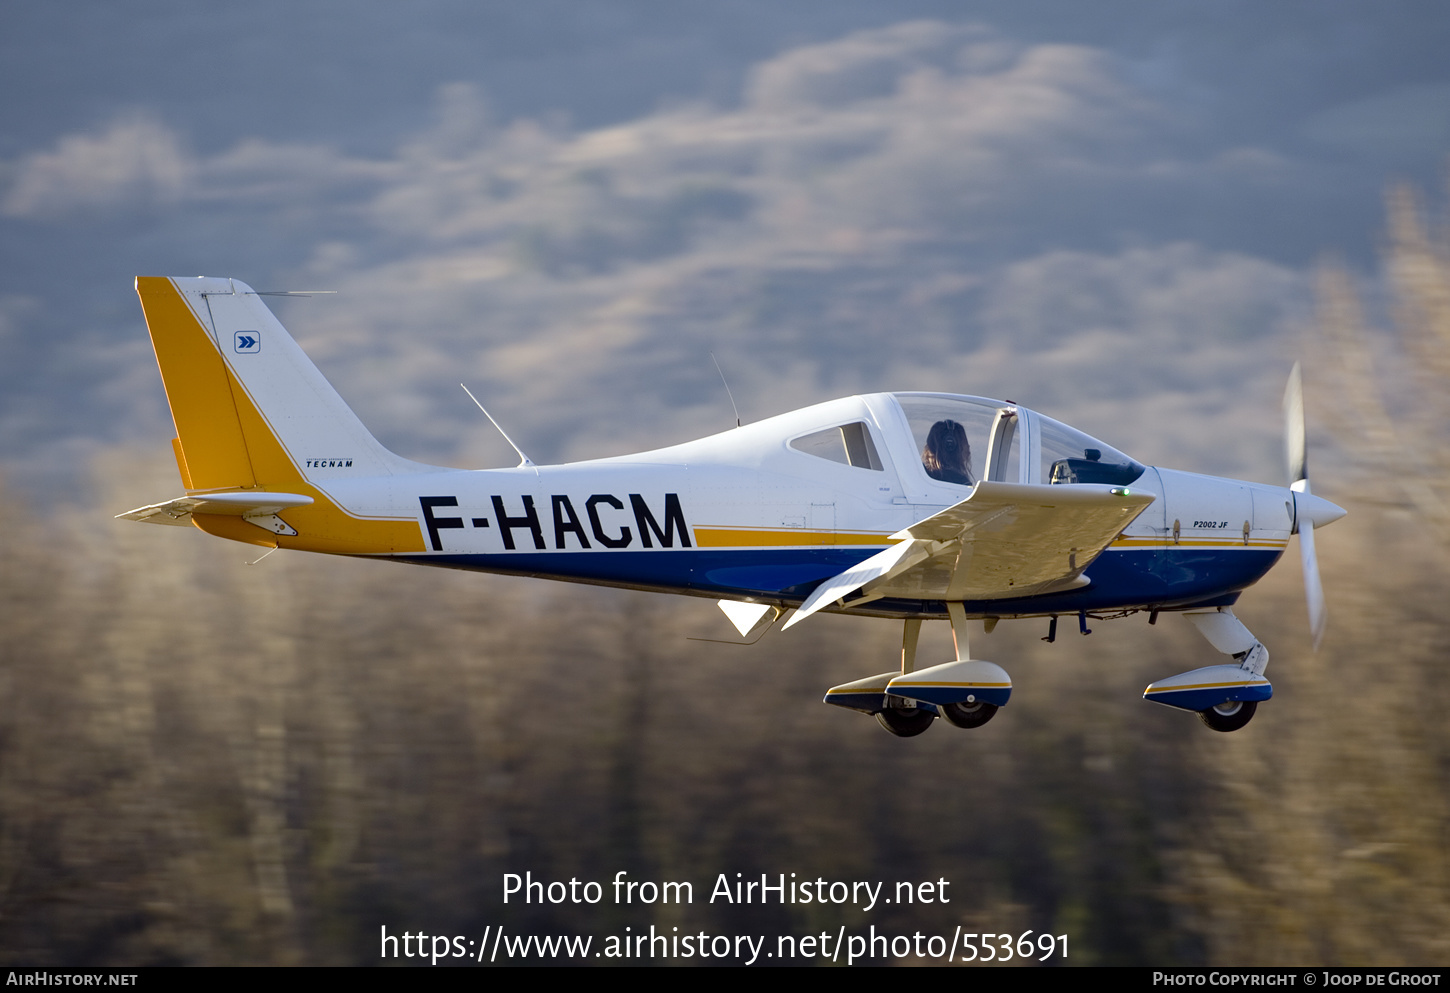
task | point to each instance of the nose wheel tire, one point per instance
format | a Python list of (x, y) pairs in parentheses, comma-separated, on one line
[(905, 723), (968, 715), (1229, 716)]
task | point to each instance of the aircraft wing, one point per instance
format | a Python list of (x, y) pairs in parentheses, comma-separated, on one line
[(1004, 540), (247, 503)]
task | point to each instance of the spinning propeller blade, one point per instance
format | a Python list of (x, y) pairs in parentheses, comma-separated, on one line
[(1294, 428), (1309, 510), (1313, 588)]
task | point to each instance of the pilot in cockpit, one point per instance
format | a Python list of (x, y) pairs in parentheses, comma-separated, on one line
[(948, 455)]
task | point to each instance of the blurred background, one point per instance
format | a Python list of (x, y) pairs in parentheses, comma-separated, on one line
[(1131, 216)]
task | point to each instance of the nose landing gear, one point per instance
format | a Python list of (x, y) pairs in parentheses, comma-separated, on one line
[(1224, 696)]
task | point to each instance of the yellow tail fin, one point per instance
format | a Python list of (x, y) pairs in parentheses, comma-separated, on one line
[(253, 413)]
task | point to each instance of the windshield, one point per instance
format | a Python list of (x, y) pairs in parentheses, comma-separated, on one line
[(1069, 456)]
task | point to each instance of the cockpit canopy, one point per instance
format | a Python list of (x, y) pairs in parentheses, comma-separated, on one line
[(963, 439), (922, 448)]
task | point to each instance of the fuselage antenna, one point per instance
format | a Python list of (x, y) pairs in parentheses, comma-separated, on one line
[(727, 389), (524, 459)]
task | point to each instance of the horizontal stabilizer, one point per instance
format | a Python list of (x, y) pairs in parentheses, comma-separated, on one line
[(245, 504)]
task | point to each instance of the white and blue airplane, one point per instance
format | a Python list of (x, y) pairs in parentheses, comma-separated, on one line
[(913, 506)]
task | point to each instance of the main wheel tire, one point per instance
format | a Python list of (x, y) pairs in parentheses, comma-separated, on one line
[(968, 715), (1229, 716), (905, 723)]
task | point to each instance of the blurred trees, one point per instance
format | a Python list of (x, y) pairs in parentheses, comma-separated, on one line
[(1327, 843), (1392, 406), (206, 761)]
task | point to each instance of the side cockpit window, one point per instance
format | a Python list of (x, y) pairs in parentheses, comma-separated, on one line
[(849, 444), (948, 455), (953, 435)]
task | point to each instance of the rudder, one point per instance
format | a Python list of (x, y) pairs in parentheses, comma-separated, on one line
[(210, 448)]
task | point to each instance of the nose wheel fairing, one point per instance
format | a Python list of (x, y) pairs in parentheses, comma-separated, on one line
[(1200, 689), (1225, 696)]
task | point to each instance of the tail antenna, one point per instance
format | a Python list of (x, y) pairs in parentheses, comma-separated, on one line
[(727, 389), (524, 460)]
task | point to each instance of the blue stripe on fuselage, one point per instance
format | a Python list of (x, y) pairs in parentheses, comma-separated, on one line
[(1120, 578)]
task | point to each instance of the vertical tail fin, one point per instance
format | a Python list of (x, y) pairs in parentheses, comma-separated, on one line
[(251, 410), (253, 413)]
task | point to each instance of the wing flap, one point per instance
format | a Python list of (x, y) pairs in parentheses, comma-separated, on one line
[(893, 561)]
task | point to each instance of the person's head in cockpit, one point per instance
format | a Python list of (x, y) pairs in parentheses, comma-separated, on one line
[(947, 455)]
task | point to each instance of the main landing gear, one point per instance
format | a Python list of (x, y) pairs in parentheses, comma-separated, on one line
[(967, 715), (966, 693), (904, 722)]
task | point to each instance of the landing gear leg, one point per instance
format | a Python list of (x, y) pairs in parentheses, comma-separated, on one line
[(1227, 633), (906, 722), (960, 640), (910, 634), (969, 713)]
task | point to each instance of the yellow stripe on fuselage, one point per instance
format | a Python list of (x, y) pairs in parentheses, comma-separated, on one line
[(1226, 542), (727, 537), (723, 537)]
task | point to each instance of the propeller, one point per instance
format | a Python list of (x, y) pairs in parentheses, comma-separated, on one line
[(1310, 511)]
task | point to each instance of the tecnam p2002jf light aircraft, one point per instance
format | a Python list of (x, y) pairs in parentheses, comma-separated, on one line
[(903, 505)]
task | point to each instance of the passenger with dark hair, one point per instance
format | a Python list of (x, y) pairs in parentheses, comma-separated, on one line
[(948, 455)]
